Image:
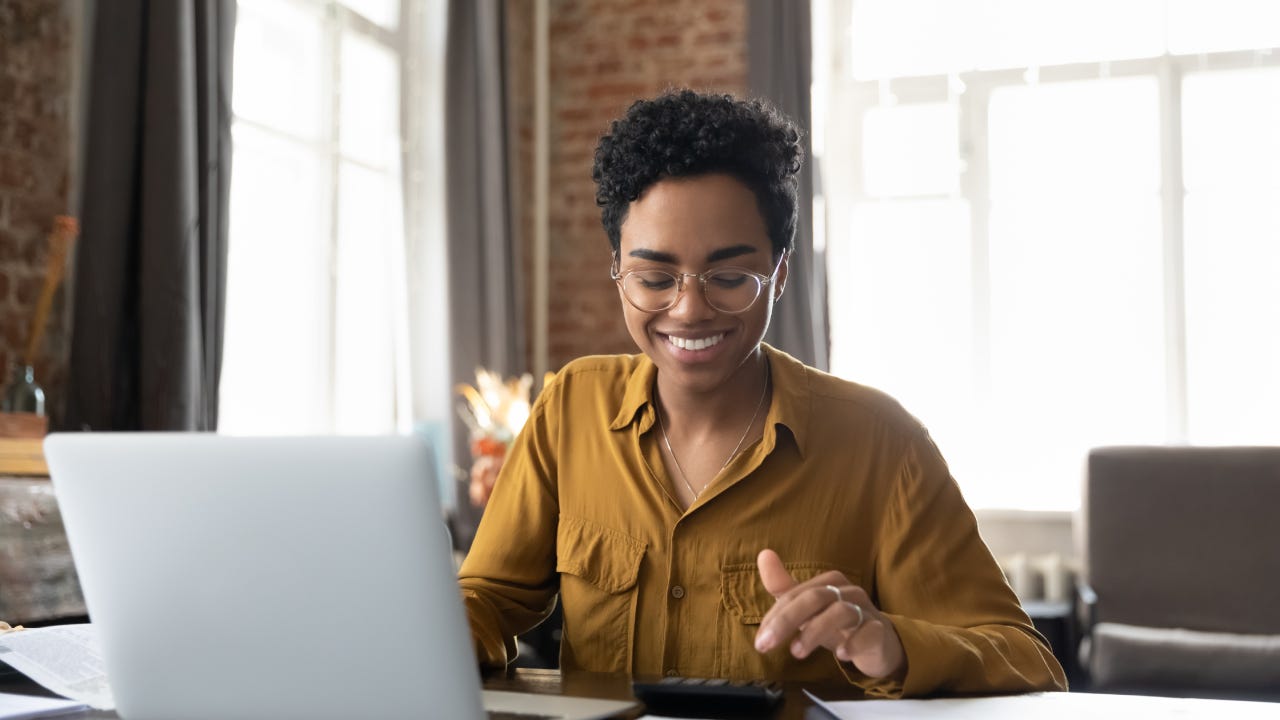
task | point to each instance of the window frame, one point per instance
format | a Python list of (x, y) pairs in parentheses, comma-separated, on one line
[(848, 99)]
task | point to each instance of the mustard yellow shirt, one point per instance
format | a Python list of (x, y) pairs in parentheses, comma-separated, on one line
[(843, 478)]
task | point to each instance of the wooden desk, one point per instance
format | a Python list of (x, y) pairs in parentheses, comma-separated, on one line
[(795, 706), (596, 685)]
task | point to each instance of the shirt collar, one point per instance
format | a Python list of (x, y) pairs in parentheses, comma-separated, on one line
[(791, 395), (637, 397)]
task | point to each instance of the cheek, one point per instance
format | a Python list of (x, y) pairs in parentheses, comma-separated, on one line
[(634, 320)]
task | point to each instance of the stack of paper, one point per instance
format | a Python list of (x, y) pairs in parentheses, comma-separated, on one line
[(17, 707)]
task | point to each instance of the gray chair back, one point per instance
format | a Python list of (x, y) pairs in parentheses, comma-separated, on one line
[(1181, 537)]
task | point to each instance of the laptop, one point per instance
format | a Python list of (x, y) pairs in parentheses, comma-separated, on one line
[(233, 577)]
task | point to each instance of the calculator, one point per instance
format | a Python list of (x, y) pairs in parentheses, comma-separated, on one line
[(710, 697)]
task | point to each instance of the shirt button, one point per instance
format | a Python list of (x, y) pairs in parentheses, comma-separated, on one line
[(677, 592)]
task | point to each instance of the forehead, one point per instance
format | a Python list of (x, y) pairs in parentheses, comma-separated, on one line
[(691, 217)]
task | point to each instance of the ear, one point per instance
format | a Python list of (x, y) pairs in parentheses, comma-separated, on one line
[(780, 281)]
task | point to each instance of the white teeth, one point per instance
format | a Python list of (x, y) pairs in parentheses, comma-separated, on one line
[(695, 344)]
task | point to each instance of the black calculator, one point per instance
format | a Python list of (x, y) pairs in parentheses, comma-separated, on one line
[(708, 697)]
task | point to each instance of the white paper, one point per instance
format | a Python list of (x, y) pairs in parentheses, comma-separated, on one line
[(19, 707), (62, 658), (1050, 706)]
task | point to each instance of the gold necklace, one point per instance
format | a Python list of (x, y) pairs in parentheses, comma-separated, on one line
[(667, 441)]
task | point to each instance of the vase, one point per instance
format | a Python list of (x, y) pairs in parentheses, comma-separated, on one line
[(23, 394)]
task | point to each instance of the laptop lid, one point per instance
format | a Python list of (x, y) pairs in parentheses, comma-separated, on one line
[(267, 577)]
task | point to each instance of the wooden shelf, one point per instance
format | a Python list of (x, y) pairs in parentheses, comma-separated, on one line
[(22, 456)]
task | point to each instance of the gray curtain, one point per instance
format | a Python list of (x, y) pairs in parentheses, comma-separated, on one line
[(779, 57), (485, 326), (150, 282)]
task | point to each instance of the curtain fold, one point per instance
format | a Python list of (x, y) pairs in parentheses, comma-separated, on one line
[(149, 277), (485, 326), (779, 69)]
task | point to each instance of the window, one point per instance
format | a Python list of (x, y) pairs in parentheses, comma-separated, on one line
[(1051, 225), (331, 136)]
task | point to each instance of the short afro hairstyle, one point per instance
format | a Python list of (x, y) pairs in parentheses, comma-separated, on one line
[(684, 133)]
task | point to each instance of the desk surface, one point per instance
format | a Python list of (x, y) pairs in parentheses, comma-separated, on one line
[(795, 706), (596, 685)]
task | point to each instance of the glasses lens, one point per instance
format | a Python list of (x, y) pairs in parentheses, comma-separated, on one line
[(650, 290), (732, 290)]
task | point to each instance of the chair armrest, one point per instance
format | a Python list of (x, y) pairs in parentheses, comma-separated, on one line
[(1086, 602)]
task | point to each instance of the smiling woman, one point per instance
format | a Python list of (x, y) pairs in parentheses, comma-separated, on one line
[(712, 506)]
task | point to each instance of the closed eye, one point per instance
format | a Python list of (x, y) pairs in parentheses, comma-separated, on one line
[(654, 280), (728, 279)]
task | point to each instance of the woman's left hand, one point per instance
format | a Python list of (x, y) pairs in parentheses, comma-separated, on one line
[(827, 611)]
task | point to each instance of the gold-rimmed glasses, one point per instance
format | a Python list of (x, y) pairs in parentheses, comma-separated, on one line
[(727, 289)]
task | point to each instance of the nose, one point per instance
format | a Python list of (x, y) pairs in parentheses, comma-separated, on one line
[(691, 305)]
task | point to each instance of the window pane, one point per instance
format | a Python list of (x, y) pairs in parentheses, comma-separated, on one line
[(1077, 325), (901, 38), (1098, 137), (274, 376), (1231, 135), (898, 38), (369, 128), (1198, 26), (278, 53), (366, 314), (911, 150), (899, 287), (1017, 33), (383, 12)]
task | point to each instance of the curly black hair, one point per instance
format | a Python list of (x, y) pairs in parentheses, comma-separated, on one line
[(685, 133)]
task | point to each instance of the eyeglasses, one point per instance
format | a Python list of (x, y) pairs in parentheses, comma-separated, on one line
[(727, 289)]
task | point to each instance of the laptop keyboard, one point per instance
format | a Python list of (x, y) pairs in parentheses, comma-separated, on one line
[(504, 715)]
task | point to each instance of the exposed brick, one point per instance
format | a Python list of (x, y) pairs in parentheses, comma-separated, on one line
[(36, 58), (27, 290), (17, 172)]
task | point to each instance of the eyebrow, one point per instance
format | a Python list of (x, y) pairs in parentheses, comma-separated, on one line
[(714, 256)]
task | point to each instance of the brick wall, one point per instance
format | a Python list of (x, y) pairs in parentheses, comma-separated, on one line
[(36, 56), (604, 55)]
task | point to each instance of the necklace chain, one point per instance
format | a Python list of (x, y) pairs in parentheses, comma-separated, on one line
[(667, 441)]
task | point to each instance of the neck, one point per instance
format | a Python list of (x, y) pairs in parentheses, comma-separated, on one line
[(739, 396)]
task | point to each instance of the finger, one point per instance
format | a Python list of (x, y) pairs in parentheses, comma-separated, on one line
[(830, 577), (773, 574), (777, 580), (874, 649), (786, 618), (831, 628)]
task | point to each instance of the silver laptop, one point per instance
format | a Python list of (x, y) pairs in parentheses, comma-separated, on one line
[(274, 578)]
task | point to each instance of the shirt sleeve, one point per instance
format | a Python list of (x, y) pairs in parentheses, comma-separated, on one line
[(961, 626), (508, 578)]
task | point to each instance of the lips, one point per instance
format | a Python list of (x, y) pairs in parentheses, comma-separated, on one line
[(695, 344)]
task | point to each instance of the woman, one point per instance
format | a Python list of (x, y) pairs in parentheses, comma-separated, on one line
[(712, 507)]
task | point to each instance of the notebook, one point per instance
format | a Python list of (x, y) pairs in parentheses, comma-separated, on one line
[(274, 578)]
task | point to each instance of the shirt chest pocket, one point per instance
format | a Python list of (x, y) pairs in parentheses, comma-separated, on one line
[(744, 604), (598, 569)]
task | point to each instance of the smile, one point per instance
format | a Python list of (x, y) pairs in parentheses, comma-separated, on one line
[(695, 343)]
